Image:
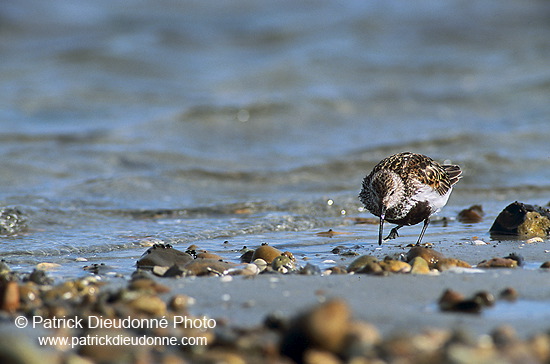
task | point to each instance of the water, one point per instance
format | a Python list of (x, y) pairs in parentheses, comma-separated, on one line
[(250, 122)]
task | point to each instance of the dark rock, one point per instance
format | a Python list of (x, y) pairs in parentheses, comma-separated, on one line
[(518, 258), (509, 294), (522, 220), (174, 271), (247, 255), (452, 301), (471, 215), (163, 255), (449, 298), (97, 268), (310, 270), (39, 277)]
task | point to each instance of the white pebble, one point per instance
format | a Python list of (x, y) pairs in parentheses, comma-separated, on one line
[(536, 239), (226, 297), (47, 266), (226, 279), (478, 242)]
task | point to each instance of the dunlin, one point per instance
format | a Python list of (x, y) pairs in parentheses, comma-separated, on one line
[(406, 189)]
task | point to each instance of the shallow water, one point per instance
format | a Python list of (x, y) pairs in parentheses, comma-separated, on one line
[(245, 122)]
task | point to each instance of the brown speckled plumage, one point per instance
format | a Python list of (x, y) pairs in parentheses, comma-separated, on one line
[(406, 189)]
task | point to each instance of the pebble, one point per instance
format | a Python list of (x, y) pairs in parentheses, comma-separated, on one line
[(30, 295), (360, 262), (149, 242), (160, 270), (419, 266), (428, 254), (267, 253), (447, 263), (261, 264), (180, 302), (545, 265), (173, 271), (16, 348), (455, 302), (395, 266), (310, 270), (249, 269), (109, 353), (323, 333), (163, 255), (148, 304), (361, 339), (485, 298), (38, 276), (314, 356), (9, 296), (517, 257), (207, 255), (536, 239), (449, 298), (283, 264), (247, 255), (478, 242), (498, 263), (372, 268), (324, 327), (99, 268), (330, 233), (509, 294), (148, 285), (335, 270), (202, 267), (504, 336), (4, 267)]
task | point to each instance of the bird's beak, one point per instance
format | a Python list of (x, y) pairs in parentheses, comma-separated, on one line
[(381, 229)]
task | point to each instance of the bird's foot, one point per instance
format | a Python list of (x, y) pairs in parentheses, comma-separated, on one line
[(392, 235)]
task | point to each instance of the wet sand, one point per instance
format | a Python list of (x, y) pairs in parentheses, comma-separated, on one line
[(396, 305), (401, 303)]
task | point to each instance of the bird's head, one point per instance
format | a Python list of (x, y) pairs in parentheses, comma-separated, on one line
[(388, 188)]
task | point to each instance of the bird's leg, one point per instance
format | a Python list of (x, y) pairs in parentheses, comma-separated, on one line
[(426, 223), (393, 233), (381, 228)]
